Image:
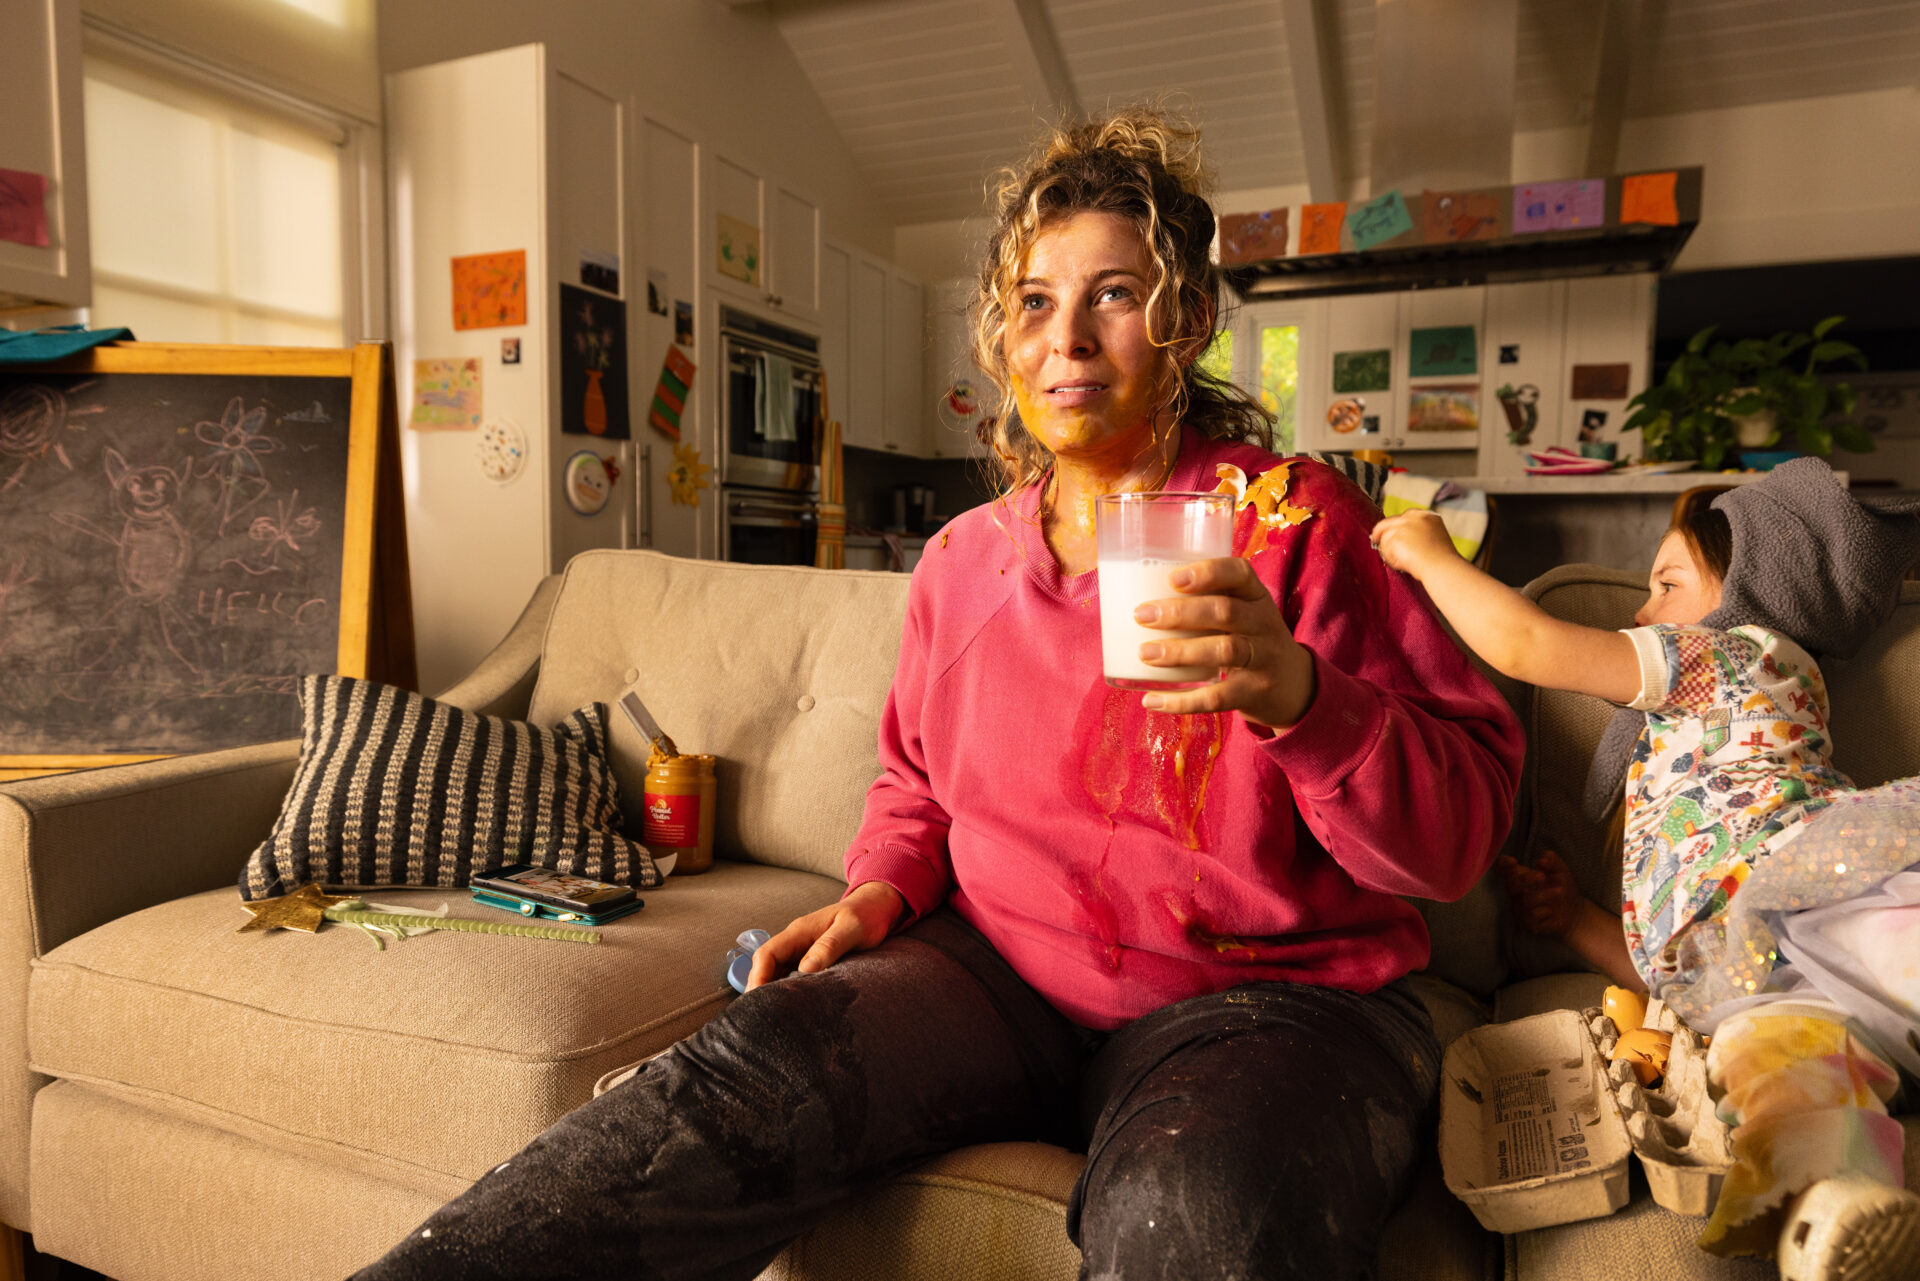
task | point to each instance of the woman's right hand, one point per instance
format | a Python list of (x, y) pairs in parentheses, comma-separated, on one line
[(857, 922)]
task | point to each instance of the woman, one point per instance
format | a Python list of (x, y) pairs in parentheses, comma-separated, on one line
[(1163, 930)]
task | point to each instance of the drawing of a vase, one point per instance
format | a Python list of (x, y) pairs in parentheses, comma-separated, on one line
[(593, 409)]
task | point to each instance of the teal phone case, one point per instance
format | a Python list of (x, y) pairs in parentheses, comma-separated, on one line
[(541, 912)]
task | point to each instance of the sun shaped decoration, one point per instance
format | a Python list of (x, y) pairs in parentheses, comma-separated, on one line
[(688, 476)]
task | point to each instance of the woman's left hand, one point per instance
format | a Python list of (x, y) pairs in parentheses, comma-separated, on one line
[(1266, 675)]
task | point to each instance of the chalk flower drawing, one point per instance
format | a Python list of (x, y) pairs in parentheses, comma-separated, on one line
[(238, 446)]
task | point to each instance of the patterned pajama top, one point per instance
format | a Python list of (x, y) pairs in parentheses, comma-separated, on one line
[(1734, 757)]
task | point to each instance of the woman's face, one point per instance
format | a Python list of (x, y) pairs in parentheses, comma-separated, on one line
[(1679, 590), (1087, 381)]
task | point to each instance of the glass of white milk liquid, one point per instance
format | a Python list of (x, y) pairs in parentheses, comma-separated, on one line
[(1140, 539)]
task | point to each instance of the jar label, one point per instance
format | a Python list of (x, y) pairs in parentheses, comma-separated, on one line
[(671, 821)]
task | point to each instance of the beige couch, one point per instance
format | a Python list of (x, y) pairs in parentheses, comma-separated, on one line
[(179, 1101)]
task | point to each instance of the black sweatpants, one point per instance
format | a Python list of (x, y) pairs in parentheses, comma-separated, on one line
[(1261, 1132)]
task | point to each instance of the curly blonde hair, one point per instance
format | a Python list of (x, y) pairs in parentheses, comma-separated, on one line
[(1144, 164)]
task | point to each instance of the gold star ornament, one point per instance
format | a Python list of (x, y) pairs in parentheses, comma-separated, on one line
[(304, 909)]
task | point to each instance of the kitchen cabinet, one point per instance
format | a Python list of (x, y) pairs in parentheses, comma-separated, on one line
[(1526, 333), (836, 265), (763, 241), (1441, 410), (40, 101), (1608, 357), (957, 396), (879, 398), (1351, 323), (497, 153), (906, 407), (865, 423)]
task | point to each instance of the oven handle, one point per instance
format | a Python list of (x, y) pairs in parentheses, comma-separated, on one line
[(741, 512)]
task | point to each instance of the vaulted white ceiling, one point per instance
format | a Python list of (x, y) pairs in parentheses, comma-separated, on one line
[(931, 94)]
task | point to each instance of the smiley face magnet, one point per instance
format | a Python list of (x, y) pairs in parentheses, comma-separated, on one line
[(587, 483)]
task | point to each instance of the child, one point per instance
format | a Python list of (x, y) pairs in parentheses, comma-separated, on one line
[(1743, 844)]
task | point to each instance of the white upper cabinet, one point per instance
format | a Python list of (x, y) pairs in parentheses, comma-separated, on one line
[(763, 244), (836, 261), (906, 407), (865, 423), (793, 254), (44, 259)]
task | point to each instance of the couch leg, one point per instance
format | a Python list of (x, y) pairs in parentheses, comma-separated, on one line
[(13, 1259)]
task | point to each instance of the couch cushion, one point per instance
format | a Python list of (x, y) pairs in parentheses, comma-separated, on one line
[(449, 1051), (781, 672)]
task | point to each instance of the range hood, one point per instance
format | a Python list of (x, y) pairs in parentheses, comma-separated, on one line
[(1443, 210), (1421, 259)]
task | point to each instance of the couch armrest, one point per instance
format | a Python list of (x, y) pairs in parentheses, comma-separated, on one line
[(77, 850), (502, 685)]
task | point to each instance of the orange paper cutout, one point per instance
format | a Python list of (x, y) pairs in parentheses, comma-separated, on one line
[(1648, 197), (490, 290), (1320, 228)]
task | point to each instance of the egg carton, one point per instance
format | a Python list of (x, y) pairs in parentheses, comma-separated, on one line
[(1683, 1145), (1531, 1131)]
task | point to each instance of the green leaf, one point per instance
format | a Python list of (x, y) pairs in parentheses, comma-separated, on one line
[(1712, 456), (1698, 343), (1854, 438), (1751, 403), (1825, 327), (1826, 352), (1815, 440)]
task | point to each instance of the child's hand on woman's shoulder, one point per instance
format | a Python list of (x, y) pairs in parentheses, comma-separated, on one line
[(1414, 541)]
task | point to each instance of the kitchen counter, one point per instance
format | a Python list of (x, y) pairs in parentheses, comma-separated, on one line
[(869, 551), (1609, 483)]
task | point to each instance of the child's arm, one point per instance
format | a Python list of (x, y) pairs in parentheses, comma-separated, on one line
[(1514, 635), (1546, 901)]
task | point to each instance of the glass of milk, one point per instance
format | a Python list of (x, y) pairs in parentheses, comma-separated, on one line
[(1140, 540)]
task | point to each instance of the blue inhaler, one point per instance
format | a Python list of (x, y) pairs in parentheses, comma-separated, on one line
[(740, 958)]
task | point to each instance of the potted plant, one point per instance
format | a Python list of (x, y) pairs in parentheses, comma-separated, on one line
[(1720, 396)]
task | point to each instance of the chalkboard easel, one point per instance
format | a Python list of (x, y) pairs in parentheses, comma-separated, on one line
[(185, 531)]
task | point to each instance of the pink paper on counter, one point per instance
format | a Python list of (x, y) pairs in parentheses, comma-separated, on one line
[(23, 207), (1559, 206)]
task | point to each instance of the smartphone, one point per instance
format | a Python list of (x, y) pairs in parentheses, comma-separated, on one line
[(543, 912), (561, 890)]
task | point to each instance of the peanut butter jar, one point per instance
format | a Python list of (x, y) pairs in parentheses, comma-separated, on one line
[(679, 800)]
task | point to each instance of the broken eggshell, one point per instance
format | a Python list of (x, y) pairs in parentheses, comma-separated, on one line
[(1646, 1049)]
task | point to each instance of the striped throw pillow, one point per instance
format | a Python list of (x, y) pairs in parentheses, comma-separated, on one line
[(394, 789)]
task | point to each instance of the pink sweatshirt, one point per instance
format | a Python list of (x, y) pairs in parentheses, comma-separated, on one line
[(1122, 859)]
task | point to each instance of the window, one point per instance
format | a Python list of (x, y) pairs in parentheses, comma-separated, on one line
[(1265, 357), (214, 218)]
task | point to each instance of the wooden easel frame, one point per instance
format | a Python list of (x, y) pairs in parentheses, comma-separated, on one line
[(376, 615)]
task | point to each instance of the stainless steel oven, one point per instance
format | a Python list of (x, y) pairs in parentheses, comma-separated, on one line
[(769, 404), (768, 526), (770, 400)]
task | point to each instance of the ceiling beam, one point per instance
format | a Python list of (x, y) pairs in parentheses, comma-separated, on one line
[(1037, 59), (1624, 25), (1316, 94)]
